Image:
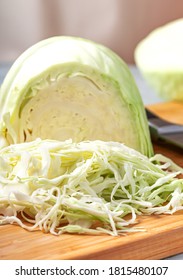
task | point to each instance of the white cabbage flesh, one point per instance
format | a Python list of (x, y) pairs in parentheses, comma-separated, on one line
[(90, 187), (66, 87), (77, 108)]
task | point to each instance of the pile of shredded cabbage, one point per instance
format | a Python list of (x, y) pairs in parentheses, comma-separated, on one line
[(90, 187)]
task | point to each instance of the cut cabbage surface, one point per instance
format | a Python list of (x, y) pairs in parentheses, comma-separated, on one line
[(66, 87), (93, 187), (159, 57)]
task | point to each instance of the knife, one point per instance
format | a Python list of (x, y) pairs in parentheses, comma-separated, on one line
[(164, 131)]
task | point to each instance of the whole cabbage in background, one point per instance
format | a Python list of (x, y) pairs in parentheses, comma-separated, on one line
[(159, 57), (66, 87)]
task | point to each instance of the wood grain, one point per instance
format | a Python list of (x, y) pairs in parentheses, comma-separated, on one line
[(162, 236)]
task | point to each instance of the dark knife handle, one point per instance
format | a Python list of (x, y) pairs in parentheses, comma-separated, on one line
[(162, 126)]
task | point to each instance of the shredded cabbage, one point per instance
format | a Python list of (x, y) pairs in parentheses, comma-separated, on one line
[(93, 187)]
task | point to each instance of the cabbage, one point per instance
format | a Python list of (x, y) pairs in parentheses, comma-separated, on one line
[(88, 187), (159, 57), (65, 87), (93, 187)]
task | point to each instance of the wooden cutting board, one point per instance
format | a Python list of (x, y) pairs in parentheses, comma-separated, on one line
[(162, 238)]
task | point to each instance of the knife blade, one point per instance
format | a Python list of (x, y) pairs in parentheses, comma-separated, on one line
[(164, 131)]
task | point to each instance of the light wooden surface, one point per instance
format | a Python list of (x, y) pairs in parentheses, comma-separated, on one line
[(162, 238), (171, 111)]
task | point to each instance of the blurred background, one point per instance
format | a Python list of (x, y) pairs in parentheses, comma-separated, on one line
[(118, 24)]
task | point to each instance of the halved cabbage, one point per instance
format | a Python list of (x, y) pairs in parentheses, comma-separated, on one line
[(66, 87), (159, 57)]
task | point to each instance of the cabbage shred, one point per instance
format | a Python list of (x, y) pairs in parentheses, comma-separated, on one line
[(93, 187)]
